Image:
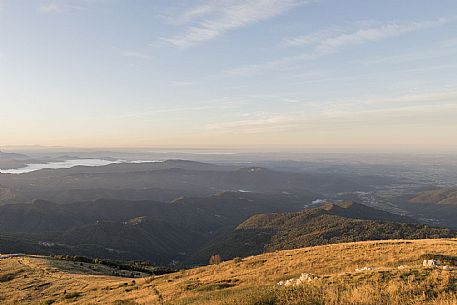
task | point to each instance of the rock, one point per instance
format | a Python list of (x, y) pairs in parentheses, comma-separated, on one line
[(304, 277), (429, 263), (364, 269)]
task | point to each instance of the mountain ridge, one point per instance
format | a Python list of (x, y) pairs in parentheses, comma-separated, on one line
[(327, 224)]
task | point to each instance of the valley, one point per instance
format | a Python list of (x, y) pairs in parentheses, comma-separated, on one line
[(144, 233), (180, 212)]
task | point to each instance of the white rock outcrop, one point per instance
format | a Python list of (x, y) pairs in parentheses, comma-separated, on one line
[(430, 263), (304, 277), (364, 269)]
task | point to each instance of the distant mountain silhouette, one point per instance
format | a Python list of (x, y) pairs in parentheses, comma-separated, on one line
[(175, 177), (13, 156), (148, 230)]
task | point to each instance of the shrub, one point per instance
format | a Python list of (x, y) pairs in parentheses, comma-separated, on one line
[(237, 260), (7, 277), (215, 259), (72, 295)]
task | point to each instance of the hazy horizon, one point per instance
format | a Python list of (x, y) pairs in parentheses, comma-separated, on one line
[(228, 150), (257, 75)]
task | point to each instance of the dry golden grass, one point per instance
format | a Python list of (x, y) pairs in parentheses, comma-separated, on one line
[(26, 280)]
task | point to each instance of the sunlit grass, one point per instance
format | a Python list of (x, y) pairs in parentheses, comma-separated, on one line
[(252, 280)]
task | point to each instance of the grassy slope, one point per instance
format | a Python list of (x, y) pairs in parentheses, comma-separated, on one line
[(252, 280), (447, 195), (329, 224)]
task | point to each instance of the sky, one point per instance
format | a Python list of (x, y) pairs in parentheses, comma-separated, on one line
[(250, 74)]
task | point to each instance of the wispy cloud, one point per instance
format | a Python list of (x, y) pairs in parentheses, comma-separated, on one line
[(214, 18), (444, 49), (334, 119), (313, 38), (256, 123), (333, 40), (439, 107), (412, 114), (181, 83), (51, 8), (216, 104), (137, 54), (361, 36), (443, 96), (59, 6)]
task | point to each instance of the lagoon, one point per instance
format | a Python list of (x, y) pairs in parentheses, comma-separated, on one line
[(60, 164)]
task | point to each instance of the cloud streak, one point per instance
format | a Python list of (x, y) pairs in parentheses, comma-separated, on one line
[(333, 119), (51, 8), (153, 112), (59, 6), (215, 18), (439, 107), (137, 55), (333, 40), (257, 123)]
